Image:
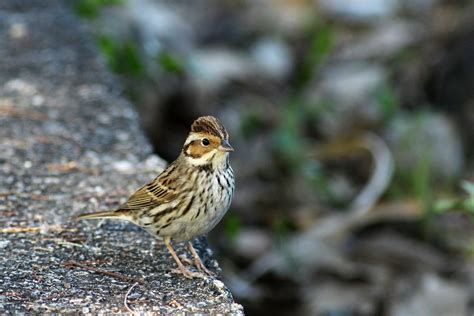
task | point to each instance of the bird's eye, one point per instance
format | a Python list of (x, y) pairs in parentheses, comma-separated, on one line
[(205, 142)]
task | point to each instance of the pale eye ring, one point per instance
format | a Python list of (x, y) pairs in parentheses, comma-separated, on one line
[(205, 142)]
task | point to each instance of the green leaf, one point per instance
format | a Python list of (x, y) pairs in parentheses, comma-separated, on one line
[(90, 8), (122, 58), (322, 43), (233, 226), (170, 63), (387, 101)]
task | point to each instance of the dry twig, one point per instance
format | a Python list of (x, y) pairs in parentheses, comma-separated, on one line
[(35, 229), (125, 300), (74, 264), (71, 166), (8, 109)]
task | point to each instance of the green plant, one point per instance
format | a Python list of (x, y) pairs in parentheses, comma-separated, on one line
[(423, 189), (170, 63), (251, 122), (233, 226), (387, 101), (289, 139), (321, 38), (462, 204), (122, 58), (90, 8), (282, 229)]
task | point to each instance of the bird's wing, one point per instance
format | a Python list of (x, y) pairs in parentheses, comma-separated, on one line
[(159, 191)]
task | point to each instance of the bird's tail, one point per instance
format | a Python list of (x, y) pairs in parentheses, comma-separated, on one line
[(118, 214)]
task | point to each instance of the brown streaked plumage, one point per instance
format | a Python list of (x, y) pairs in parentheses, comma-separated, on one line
[(209, 125), (190, 196)]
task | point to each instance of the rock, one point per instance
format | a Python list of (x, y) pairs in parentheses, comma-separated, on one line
[(78, 150), (351, 83), (417, 138), (154, 26), (431, 295), (273, 57), (159, 22), (386, 40), (348, 89), (419, 6), (281, 17), (211, 69), (18, 31), (252, 242), (361, 11), (398, 251), (296, 262), (328, 298)]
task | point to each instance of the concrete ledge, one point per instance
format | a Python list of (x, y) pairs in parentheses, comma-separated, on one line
[(69, 143)]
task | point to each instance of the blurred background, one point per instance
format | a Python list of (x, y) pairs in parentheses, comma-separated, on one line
[(353, 124)]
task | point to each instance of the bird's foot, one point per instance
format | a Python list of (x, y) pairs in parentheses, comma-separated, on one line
[(201, 267), (185, 260), (198, 262), (188, 274)]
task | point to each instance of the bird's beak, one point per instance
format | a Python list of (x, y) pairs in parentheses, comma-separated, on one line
[(225, 146)]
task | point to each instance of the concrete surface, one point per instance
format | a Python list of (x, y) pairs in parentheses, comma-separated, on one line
[(70, 143)]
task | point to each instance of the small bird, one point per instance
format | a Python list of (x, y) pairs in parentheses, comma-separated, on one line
[(189, 197)]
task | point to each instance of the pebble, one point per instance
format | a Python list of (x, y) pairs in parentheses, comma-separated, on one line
[(123, 166), (213, 68), (362, 11), (252, 242), (427, 138), (274, 57)]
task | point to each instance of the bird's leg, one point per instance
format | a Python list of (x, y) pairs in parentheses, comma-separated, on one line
[(185, 260), (182, 268), (197, 261)]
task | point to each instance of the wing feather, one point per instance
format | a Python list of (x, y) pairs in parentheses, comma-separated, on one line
[(153, 194)]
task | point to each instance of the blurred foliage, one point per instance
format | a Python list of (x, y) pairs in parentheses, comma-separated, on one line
[(170, 63), (233, 226), (415, 181), (321, 39), (293, 147), (290, 138), (251, 122), (314, 173), (90, 9), (282, 230), (290, 142), (423, 188), (122, 58), (462, 204), (387, 101)]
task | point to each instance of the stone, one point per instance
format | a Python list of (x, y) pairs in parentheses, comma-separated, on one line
[(360, 11), (349, 89), (212, 68), (344, 299), (251, 243), (384, 41), (281, 17), (417, 138), (430, 295), (71, 153), (274, 58)]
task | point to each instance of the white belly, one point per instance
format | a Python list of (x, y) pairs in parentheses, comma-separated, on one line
[(206, 211)]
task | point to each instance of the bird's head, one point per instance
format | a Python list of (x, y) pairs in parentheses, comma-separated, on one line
[(207, 143)]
